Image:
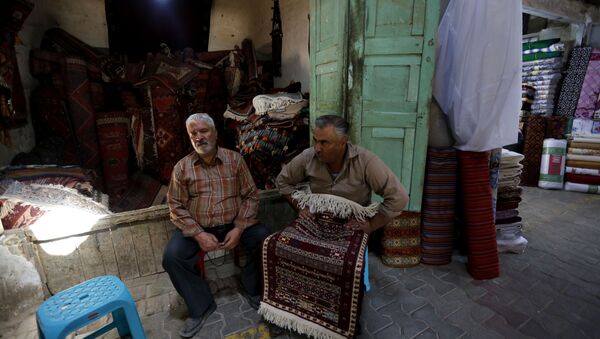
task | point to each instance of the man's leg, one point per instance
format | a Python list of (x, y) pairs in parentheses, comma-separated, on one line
[(179, 260), (251, 240)]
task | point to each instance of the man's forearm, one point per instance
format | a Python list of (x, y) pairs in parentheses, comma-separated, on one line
[(378, 221)]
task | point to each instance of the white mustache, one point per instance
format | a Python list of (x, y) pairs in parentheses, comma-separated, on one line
[(201, 143)]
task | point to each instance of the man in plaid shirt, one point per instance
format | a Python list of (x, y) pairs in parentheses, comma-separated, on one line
[(213, 201)]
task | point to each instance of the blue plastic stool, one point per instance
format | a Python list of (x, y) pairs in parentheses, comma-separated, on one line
[(82, 304)]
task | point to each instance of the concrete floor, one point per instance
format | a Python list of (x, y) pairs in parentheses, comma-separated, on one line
[(550, 291)]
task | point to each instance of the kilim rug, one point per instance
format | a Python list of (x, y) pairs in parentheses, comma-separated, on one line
[(313, 272), (439, 202), (478, 215), (532, 148), (170, 132), (402, 241), (77, 87), (113, 137), (50, 118)]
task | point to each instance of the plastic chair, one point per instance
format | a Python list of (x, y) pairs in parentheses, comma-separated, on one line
[(82, 304)]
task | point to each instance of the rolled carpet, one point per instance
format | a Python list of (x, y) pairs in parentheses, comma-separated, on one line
[(483, 261)]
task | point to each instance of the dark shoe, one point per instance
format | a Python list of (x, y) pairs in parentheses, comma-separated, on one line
[(253, 300), (193, 325)]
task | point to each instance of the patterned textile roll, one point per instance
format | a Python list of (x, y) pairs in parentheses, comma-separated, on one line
[(478, 214), (573, 81), (589, 93), (402, 241), (532, 149), (439, 200)]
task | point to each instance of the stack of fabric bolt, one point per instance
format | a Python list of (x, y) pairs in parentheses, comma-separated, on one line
[(509, 224), (542, 66), (583, 165)]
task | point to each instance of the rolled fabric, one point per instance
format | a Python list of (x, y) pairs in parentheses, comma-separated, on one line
[(586, 171), (580, 157), (583, 164), (586, 145), (583, 151), (582, 179), (483, 260), (552, 166), (570, 186)]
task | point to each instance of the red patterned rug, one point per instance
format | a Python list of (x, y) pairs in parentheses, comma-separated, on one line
[(312, 277)]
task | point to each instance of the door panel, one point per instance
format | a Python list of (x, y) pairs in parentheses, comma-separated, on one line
[(327, 56), (393, 80), (376, 69)]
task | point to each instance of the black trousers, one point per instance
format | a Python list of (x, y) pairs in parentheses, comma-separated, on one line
[(181, 256)]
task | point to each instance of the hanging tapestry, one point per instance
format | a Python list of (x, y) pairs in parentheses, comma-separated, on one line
[(313, 269), (169, 130)]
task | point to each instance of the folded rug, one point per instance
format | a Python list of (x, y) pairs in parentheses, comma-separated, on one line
[(313, 269)]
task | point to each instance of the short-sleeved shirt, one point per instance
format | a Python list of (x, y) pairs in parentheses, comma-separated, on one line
[(205, 195), (362, 173)]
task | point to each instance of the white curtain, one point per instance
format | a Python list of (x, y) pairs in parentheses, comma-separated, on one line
[(478, 72)]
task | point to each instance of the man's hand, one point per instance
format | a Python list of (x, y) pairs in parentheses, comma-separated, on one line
[(357, 225), (206, 241), (232, 239), (305, 214)]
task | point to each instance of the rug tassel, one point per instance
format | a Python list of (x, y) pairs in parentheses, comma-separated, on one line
[(290, 321), (340, 207)]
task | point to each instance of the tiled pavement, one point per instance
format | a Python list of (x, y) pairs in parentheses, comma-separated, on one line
[(550, 291)]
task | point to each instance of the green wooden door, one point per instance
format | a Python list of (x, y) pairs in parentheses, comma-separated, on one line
[(386, 79), (328, 53)]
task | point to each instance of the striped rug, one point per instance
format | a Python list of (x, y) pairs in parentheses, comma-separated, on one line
[(439, 200), (483, 261)]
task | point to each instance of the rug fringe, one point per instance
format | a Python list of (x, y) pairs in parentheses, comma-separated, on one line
[(293, 322), (338, 206)]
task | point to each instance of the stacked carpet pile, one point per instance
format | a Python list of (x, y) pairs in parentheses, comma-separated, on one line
[(582, 173), (509, 224), (439, 200)]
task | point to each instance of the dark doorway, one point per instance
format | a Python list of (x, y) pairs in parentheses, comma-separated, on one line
[(136, 27)]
